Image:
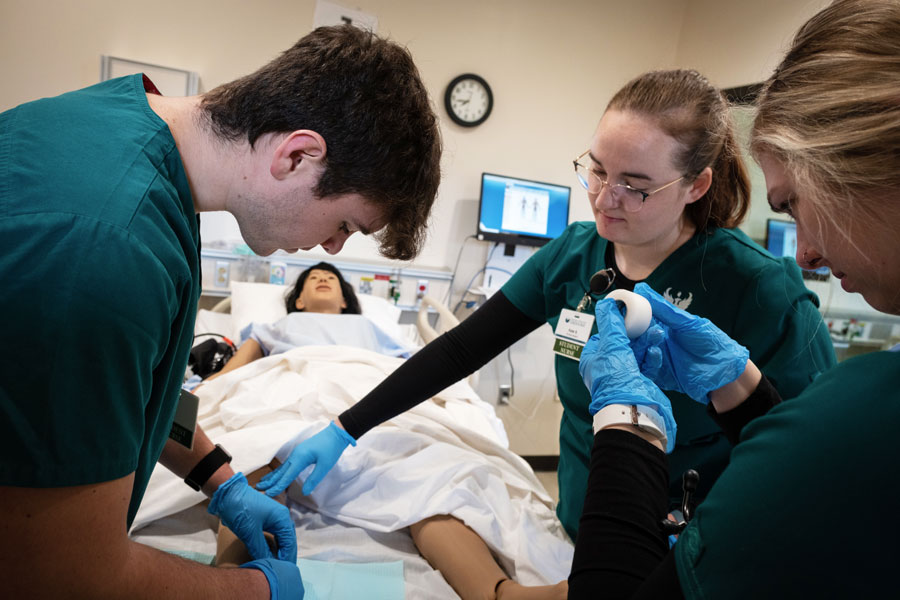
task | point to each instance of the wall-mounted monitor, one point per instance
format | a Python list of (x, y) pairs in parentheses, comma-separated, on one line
[(520, 211), (781, 240)]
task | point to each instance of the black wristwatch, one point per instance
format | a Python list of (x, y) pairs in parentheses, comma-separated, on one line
[(200, 474)]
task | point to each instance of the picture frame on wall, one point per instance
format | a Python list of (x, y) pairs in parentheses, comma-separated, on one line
[(169, 81)]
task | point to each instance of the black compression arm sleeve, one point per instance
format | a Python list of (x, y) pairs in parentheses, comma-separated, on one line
[(621, 552), (456, 354), (763, 398), (620, 543)]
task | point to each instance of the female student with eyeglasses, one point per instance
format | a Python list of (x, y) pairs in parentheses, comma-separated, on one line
[(667, 188), (807, 505)]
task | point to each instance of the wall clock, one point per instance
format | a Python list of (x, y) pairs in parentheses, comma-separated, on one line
[(469, 100)]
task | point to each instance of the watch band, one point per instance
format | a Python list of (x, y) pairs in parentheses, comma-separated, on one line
[(210, 463), (644, 418)]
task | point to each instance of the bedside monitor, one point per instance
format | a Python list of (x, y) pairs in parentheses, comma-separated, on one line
[(781, 240), (520, 211)]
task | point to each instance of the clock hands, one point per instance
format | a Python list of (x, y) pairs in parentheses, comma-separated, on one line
[(468, 100)]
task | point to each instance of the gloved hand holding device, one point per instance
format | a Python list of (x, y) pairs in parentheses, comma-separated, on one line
[(611, 373), (323, 450), (686, 353), (283, 577), (248, 514)]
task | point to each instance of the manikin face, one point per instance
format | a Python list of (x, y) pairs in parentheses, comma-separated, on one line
[(630, 149), (321, 293), (868, 262)]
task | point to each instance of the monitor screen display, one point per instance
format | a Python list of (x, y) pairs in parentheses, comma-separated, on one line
[(781, 240), (520, 211)]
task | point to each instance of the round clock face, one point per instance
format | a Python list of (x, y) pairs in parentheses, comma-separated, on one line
[(469, 100)]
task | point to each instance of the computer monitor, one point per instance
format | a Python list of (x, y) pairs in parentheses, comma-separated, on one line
[(781, 240), (520, 211)]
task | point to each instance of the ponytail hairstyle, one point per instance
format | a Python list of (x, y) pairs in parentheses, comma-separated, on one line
[(687, 107), (350, 299), (830, 114)]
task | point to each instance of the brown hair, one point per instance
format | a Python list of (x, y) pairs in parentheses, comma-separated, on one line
[(364, 96), (688, 108), (830, 113)]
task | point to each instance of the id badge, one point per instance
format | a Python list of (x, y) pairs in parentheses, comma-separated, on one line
[(572, 332), (185, 424)]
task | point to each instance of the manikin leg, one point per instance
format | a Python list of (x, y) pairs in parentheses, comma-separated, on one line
[(467, 564), (447, 544)]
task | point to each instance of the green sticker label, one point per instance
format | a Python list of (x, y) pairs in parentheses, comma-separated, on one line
[(567, 349)]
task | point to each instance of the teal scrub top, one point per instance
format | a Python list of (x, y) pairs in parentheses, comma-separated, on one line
[(807, 508), (755, 298), (101, 275)]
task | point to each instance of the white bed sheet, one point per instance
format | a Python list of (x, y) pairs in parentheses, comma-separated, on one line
[(446, 456)]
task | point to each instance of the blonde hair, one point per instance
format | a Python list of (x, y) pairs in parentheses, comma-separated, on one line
[(687, 107), (830, 113)]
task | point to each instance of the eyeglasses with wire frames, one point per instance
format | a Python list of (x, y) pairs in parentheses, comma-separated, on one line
[(631, 199)]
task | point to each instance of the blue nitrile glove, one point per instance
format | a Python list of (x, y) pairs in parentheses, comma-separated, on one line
[(695, 357), (248, 514), (283, 577), (323, 450), (647, 349), (611, 373)]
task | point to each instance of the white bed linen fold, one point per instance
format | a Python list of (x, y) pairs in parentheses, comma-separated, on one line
[(447, 455)]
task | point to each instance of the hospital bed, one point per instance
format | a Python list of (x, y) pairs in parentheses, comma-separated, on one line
[(448, 455)]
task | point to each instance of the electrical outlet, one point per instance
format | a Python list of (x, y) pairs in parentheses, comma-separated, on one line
[(223, 272), (421, 289), (504, 394)]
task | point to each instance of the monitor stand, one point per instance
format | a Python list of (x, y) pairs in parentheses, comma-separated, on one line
[(501, 266)]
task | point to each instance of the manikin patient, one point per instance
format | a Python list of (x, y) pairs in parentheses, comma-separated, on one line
[(447, 543)]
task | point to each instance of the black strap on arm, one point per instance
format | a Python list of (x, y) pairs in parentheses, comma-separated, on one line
[(208, 465), (456, 354), (763, 398)]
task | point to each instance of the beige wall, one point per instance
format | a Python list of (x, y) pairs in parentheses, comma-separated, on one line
[(736, 43), (552, 66), (54, 46), (739, 46)]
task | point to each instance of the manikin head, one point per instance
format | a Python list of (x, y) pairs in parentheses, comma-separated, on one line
[(322, 289)]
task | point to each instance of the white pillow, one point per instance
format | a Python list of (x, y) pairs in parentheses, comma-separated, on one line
[(255, 303), (384, 314), (213, 322)]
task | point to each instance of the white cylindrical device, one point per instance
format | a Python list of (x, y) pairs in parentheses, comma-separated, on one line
[(637, 311)]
